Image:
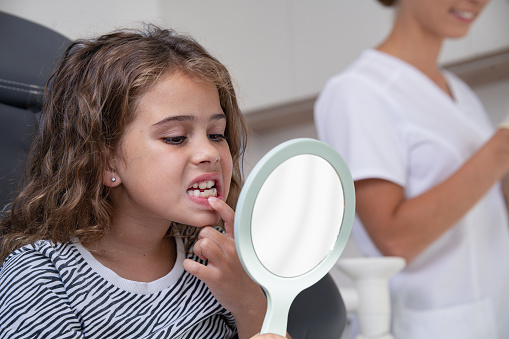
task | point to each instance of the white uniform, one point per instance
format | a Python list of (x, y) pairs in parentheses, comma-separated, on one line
[(389, 121)]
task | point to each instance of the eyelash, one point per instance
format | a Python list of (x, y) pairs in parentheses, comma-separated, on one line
[(180, 139), (217, 137), (175, 140)]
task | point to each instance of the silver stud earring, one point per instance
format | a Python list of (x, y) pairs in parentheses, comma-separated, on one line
[(113, 179)]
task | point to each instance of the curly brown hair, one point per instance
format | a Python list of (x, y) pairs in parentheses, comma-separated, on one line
[(89, 101)]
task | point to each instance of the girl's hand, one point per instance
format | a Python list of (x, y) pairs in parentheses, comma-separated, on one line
[(267, 336), (225, 276)]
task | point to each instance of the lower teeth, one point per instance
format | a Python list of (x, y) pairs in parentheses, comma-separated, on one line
[(204, 194)]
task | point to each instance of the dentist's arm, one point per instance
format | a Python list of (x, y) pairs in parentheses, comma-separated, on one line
[(405, 227)]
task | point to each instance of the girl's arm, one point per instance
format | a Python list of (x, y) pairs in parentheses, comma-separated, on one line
[(401, 227)]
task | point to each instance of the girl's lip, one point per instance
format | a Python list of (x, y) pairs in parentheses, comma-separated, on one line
[(201, 178)]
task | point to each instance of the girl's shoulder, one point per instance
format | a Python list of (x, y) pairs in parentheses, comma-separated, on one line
[(22, 254), (45, 248), (34, 270), (38, 259)]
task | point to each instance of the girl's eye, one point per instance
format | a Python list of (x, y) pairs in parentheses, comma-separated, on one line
[(217, 137), (175, 140)]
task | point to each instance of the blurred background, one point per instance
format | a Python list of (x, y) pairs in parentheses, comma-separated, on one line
[(282, 52)]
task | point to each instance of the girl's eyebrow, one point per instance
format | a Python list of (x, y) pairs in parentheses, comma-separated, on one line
[(218, 116), (175, 118)]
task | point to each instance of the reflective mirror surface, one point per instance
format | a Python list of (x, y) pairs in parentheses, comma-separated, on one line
[(297, 215)]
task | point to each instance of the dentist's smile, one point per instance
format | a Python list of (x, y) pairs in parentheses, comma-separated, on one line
[(463, 15)]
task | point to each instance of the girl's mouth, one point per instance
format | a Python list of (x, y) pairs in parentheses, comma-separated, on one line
[(203, 189)]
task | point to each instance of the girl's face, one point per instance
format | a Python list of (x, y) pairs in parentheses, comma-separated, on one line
[(173, 156), (441, 18)]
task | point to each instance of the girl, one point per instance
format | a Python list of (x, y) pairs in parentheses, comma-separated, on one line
[(137, 156), (430, 174)]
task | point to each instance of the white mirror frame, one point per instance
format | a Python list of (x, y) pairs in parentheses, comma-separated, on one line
[(281, 291)]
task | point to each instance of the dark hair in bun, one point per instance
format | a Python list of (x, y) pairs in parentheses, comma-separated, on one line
[(388, 3)]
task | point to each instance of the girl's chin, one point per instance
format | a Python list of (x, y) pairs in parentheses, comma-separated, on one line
[(207, 220)]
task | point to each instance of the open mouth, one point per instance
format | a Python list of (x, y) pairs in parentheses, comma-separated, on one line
[(203, 189)]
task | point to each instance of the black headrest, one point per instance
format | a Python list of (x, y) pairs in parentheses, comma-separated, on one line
[(30, 53), (17, 127)]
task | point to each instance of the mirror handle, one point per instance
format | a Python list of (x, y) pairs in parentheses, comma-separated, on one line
[(278, 307)]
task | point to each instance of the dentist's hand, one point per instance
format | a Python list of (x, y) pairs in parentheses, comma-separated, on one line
[(225, 276)]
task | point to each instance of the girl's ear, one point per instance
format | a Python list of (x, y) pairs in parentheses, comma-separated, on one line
[(110, 176)]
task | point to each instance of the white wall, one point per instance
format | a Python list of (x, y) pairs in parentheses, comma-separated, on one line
[(278, 51), (284, 50), (77, 19), (495, 98)]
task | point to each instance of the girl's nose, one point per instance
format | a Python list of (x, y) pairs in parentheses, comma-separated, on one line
[(206, 152)]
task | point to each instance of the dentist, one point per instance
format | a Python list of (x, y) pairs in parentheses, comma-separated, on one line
[(430, 174)]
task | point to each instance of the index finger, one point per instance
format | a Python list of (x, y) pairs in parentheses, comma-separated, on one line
[(225, 212)]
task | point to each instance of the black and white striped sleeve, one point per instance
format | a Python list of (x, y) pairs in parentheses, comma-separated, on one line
[(33, 301)]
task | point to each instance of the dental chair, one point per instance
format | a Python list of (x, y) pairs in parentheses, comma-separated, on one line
[(318, 312), (29, 54)]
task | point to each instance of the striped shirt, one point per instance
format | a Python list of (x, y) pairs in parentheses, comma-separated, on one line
[(60, 290)]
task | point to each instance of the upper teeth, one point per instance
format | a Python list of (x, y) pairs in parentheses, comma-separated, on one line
[(204, 185)]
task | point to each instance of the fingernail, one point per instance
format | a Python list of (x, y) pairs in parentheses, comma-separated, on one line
[(212, 200)]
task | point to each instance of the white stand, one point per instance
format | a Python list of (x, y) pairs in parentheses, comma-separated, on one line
[(370, 298)]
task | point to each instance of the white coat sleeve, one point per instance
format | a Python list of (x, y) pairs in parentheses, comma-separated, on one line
[(364, 125)]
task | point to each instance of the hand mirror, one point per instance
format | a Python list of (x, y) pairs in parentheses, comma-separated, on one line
[(293, 219)]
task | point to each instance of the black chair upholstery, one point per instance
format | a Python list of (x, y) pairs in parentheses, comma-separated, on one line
[(17, 127), (318, 312), (29, 55)]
